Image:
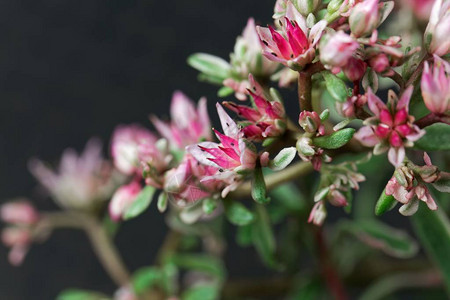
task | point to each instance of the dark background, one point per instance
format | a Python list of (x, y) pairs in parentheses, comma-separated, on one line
[(72, 69)]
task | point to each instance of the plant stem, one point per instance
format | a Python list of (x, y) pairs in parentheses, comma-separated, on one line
[(275, 179), (101, 242), (304, 90), (431, 119), (169, 245)]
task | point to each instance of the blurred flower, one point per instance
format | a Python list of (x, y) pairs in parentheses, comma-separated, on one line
[(20, 212), (391, 128), (188, 126), (233, 155), (125, 145), (267, 119), (318, 214), (122, 199), (294, 47), (436, 34), (81, 182), (379, 63), (336, 49), (421, 8), (364, 18), (21, 216), (155, 159), (354, 69), (435, 85), (351, 107)]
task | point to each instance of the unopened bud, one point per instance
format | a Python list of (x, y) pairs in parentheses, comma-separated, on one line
[(364, 18)]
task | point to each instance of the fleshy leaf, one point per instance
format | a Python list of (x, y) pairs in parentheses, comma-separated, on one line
[(145, 278), (76, 294), (433, 230), (263, 238), (437, 137), (209, 65), (385, 203), (237, 213), (443, 184), (336, 87), (283, 158), (259, 187), (202, 291), (335, 140), (140, 204), (225, 91), (209, 205), (162, 202)]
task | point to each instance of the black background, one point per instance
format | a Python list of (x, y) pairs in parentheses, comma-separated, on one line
[(72, 69)]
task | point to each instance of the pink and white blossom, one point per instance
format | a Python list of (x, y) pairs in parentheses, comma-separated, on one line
[(295, 44), (364, 18), (435, 85), (80, 182), (188, 124), (336, 49), (391, 128), (318, 214), (233, 155), (267, 119), (125, 143), (436, 34), (19, 240), (311, 123), (20, 212)]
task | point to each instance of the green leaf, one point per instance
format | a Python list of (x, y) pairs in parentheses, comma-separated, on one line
[(268, 141), (433, 230), (336, 87), (76, 294), (162, 202), (335, 140), (390, 240), (244, 235), (145, 278), (263, 237), (225, 91), (437, 137), (237, 213), (201, 292), (110, 226), (283, 158), (140, 204), (209, 205), (443, 184), (259, 187), (385, 203), (200, 262), (290, 197), (209, 65)]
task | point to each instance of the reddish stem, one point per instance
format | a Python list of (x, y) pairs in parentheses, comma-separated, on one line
[(432, 118), (330, 275)]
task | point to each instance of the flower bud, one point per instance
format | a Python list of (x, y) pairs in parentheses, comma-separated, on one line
[(436, 34), (354, 69), (364, 18), (309, 121), (122, 198), (13, 236), (435, 85), (379, 62), (304, 146), (337, 48), (318, 214), (336, 198), (305, 7), (334, 6), (19, 212)]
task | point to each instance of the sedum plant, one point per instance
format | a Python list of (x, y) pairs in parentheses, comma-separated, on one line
[(351, 151)]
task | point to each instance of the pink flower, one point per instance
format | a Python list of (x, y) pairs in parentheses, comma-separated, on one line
[(19, 212), (435, 86), (364, 18), (155, 159), (191, 181), (232, 156), (336, 49), (80, 181), (436, 34), (122, 199), (267, 119), (294, 46), (318, 214), (421, 8), (409, 196), (351, 107), (391, 128), (19, 240), (189, 125), (125, 145)]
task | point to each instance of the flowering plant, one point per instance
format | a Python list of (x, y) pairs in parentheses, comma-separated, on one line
[(353, 149)]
